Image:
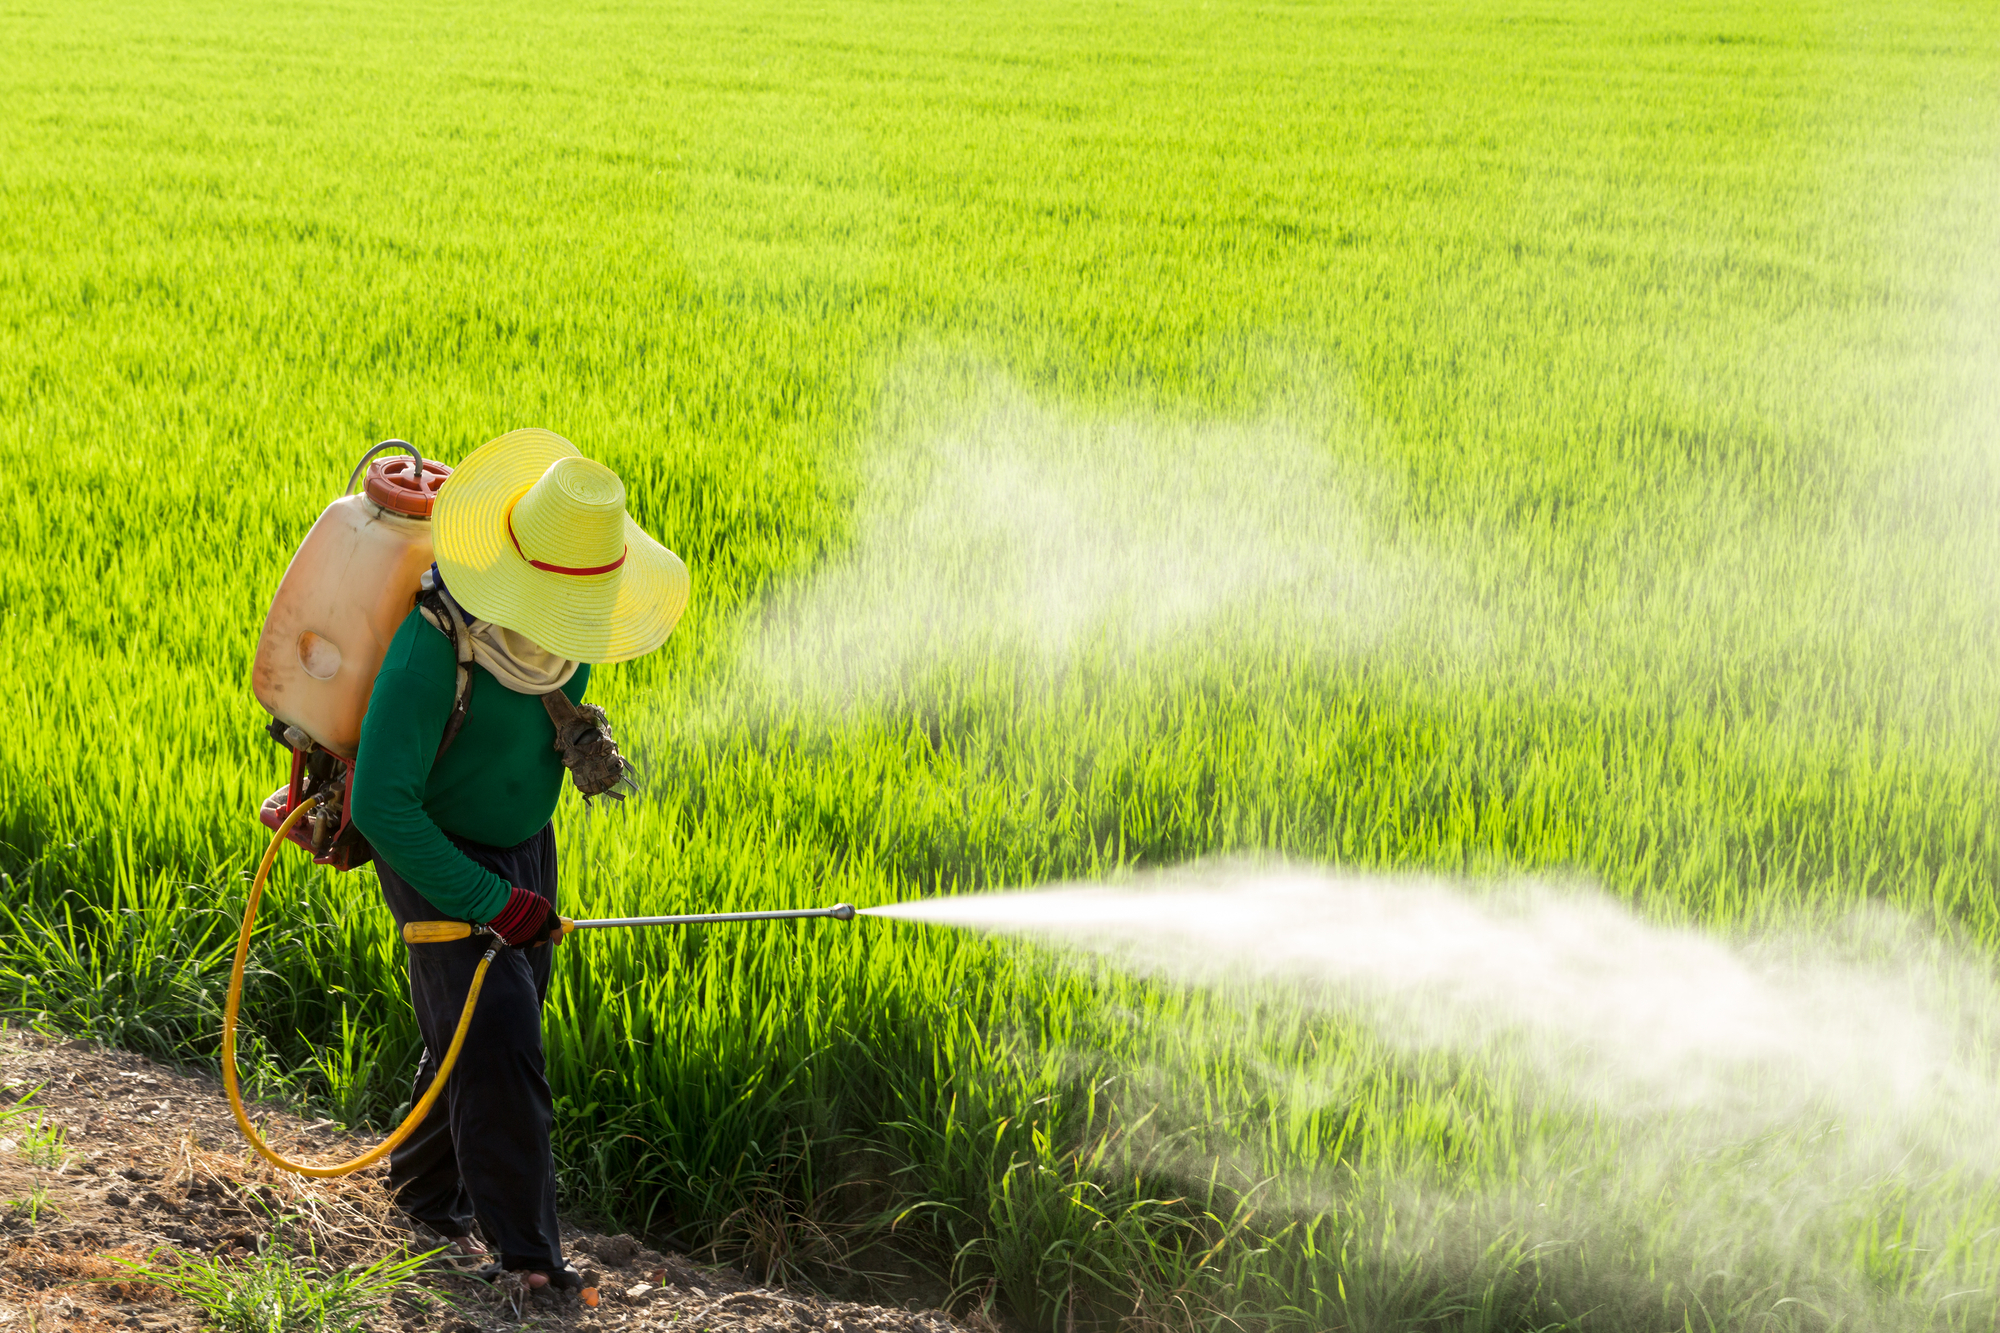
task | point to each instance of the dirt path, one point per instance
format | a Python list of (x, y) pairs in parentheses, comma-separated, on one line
[(149, 1166)]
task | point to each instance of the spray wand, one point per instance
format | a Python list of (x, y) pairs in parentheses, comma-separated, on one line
[(443, 932)]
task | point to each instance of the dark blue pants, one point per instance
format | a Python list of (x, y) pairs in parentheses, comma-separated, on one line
[(483, 1151)]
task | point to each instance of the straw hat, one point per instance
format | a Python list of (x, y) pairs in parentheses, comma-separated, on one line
[(534, 537)]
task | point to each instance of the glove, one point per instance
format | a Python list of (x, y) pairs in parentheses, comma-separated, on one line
[(526, 920)]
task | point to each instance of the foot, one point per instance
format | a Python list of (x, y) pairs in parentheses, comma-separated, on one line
[(567, 1278), (456, 1250)]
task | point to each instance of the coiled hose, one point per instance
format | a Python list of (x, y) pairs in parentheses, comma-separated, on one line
[(229, 1008)]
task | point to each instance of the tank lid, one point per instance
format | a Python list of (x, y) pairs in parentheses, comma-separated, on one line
[(395, 484)]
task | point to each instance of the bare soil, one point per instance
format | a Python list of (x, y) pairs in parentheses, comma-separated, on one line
[(150, 1169)]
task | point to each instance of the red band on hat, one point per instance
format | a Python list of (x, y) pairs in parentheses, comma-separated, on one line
[(559, 569)]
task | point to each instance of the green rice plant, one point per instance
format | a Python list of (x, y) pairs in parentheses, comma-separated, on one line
[(145, 969), (34, 1207), (41, 1143), (350, 1069), (144, 980), (279, 1291)]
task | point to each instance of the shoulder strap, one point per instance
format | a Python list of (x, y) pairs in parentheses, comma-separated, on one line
[(445, 616)]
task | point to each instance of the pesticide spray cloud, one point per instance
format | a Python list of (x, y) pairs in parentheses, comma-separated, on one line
[(991, 527), (994, 529), (1736, 1114), (1625, 1015)]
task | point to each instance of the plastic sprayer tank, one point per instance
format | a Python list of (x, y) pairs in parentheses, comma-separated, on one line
[(347, 589)]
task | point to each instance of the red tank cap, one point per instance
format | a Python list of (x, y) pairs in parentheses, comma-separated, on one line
[(394, 484)]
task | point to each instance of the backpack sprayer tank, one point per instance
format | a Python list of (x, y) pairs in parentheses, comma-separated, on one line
[(347, 589)]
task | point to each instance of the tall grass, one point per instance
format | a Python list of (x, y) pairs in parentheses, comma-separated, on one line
[(278, 1291), (1651, 345)]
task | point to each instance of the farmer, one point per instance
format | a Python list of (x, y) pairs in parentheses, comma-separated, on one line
[(544, 573)]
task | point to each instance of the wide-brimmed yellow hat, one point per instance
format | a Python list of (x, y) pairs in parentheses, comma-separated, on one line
[(534, 537)]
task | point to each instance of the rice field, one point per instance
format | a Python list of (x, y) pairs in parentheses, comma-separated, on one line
[(1478, 439)]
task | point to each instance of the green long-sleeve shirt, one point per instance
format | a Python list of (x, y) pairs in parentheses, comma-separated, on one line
[(497, 784)]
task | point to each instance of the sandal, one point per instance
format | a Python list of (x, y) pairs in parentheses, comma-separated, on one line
[(563, 1278)]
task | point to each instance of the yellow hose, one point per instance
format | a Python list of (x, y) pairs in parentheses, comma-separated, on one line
[(417, 1113)]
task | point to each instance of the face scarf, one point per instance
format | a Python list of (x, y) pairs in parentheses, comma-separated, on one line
[(514, 660)]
